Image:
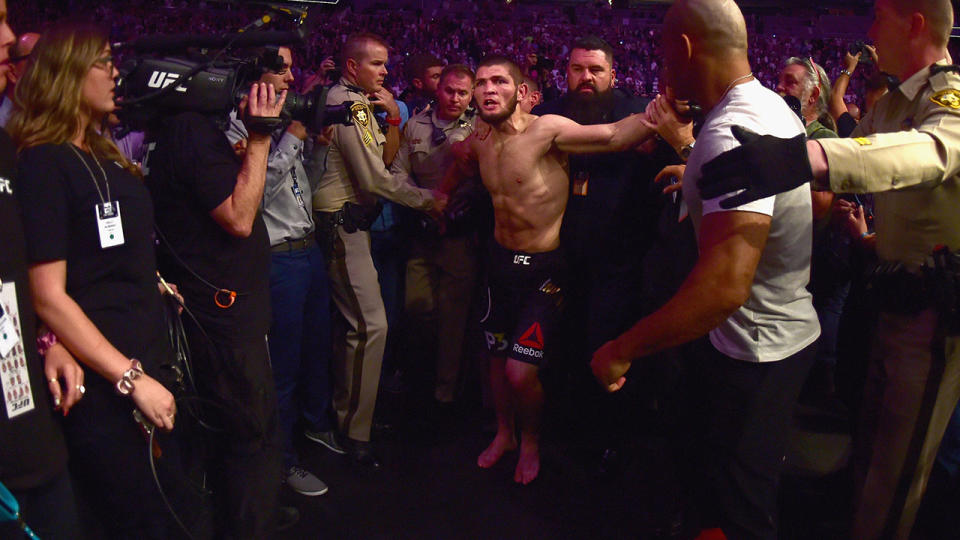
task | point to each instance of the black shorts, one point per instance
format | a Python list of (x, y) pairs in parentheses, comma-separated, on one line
[(524, 298)]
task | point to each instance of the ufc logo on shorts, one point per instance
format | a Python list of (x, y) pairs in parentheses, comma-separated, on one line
[(521, 259), (5, 186)]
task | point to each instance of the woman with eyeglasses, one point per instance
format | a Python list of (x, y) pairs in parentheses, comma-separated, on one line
[(88, 220)]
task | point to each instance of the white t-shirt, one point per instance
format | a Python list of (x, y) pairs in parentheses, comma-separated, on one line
[(778, 320)]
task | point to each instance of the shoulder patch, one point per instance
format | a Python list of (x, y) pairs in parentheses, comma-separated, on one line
[(360, 115), (862, 141), (947, 98)]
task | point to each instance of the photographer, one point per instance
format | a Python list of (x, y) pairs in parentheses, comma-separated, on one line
[(214, 242), (88, 224)]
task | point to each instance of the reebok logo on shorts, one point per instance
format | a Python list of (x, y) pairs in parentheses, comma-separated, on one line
[(531, 342), (533, 337)]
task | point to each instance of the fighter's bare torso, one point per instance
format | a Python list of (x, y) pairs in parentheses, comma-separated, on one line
[(526, 176)]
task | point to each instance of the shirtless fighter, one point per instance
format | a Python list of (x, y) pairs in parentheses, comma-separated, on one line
[(522, 160)]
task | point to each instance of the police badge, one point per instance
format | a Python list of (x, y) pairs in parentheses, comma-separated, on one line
[(359, 113)]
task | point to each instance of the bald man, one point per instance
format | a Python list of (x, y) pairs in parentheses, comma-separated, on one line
[(747, 289), (907, 152), (19, 55)]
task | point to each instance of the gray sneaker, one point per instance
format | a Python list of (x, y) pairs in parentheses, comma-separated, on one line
[(304, 482), (327, 439)]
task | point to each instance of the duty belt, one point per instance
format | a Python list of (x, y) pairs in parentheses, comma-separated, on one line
[(294, 245)]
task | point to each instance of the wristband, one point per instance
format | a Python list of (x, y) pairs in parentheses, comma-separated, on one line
[(865, 234), (45, 341), (847, 73), (394, 121), (125, 385)]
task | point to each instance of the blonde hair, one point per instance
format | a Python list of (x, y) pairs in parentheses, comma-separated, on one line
[(48, 99)]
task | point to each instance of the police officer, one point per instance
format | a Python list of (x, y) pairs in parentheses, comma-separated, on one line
[(441, 269), (345, 205), (907, 152)]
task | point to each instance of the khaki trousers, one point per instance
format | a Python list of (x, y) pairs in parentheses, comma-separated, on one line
[(440, 281), (359, 344), (912, 388)]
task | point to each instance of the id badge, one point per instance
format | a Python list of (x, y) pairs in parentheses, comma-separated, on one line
[(298, 193), (14, 377), (580, 183), (9, 336), (109, 224)]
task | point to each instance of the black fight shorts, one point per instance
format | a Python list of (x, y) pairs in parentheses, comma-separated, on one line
[(524, 297)]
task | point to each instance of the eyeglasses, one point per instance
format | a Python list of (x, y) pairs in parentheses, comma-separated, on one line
[(105, 62)]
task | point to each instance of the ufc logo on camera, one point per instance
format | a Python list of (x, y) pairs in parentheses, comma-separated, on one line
[(163, 79)]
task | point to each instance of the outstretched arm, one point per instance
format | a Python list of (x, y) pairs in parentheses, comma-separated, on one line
[(574, 138)]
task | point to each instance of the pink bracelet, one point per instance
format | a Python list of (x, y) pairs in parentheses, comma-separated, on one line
[(45, 341)]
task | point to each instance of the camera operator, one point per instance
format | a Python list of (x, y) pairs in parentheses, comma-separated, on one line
[(213, 241), (345, 205), (299, 288)]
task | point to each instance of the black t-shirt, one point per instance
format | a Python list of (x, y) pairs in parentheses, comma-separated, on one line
[(192, 170), (32, 451), (116, 287)]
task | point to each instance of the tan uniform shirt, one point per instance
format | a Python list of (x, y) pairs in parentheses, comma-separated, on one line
[(355, 170), (907, 151), (425, 155)]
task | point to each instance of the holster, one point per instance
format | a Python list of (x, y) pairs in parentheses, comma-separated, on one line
[(352, 217), (934, 285)]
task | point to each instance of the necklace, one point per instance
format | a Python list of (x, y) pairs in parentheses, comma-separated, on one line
[(733, 82)]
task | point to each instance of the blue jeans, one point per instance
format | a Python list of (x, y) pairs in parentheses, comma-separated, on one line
[(300, 346)]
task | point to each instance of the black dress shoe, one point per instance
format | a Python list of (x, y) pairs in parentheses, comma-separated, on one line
[(361, 454)]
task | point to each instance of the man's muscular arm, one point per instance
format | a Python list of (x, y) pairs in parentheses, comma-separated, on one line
[(574, 138), (730, 247), (237, 212)]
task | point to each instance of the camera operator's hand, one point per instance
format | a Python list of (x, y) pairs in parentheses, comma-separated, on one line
[(383, 99), (297, 129), (155, 402), (262, 102)]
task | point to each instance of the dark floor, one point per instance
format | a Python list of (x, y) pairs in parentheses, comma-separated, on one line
[(431, 487)]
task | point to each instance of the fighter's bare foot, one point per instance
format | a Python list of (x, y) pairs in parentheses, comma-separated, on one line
[(503, 442), (528, 466)]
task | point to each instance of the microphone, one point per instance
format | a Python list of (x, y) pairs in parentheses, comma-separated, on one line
[(179, 42)]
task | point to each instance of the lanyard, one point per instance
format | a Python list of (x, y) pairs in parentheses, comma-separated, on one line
[(103, 172)]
